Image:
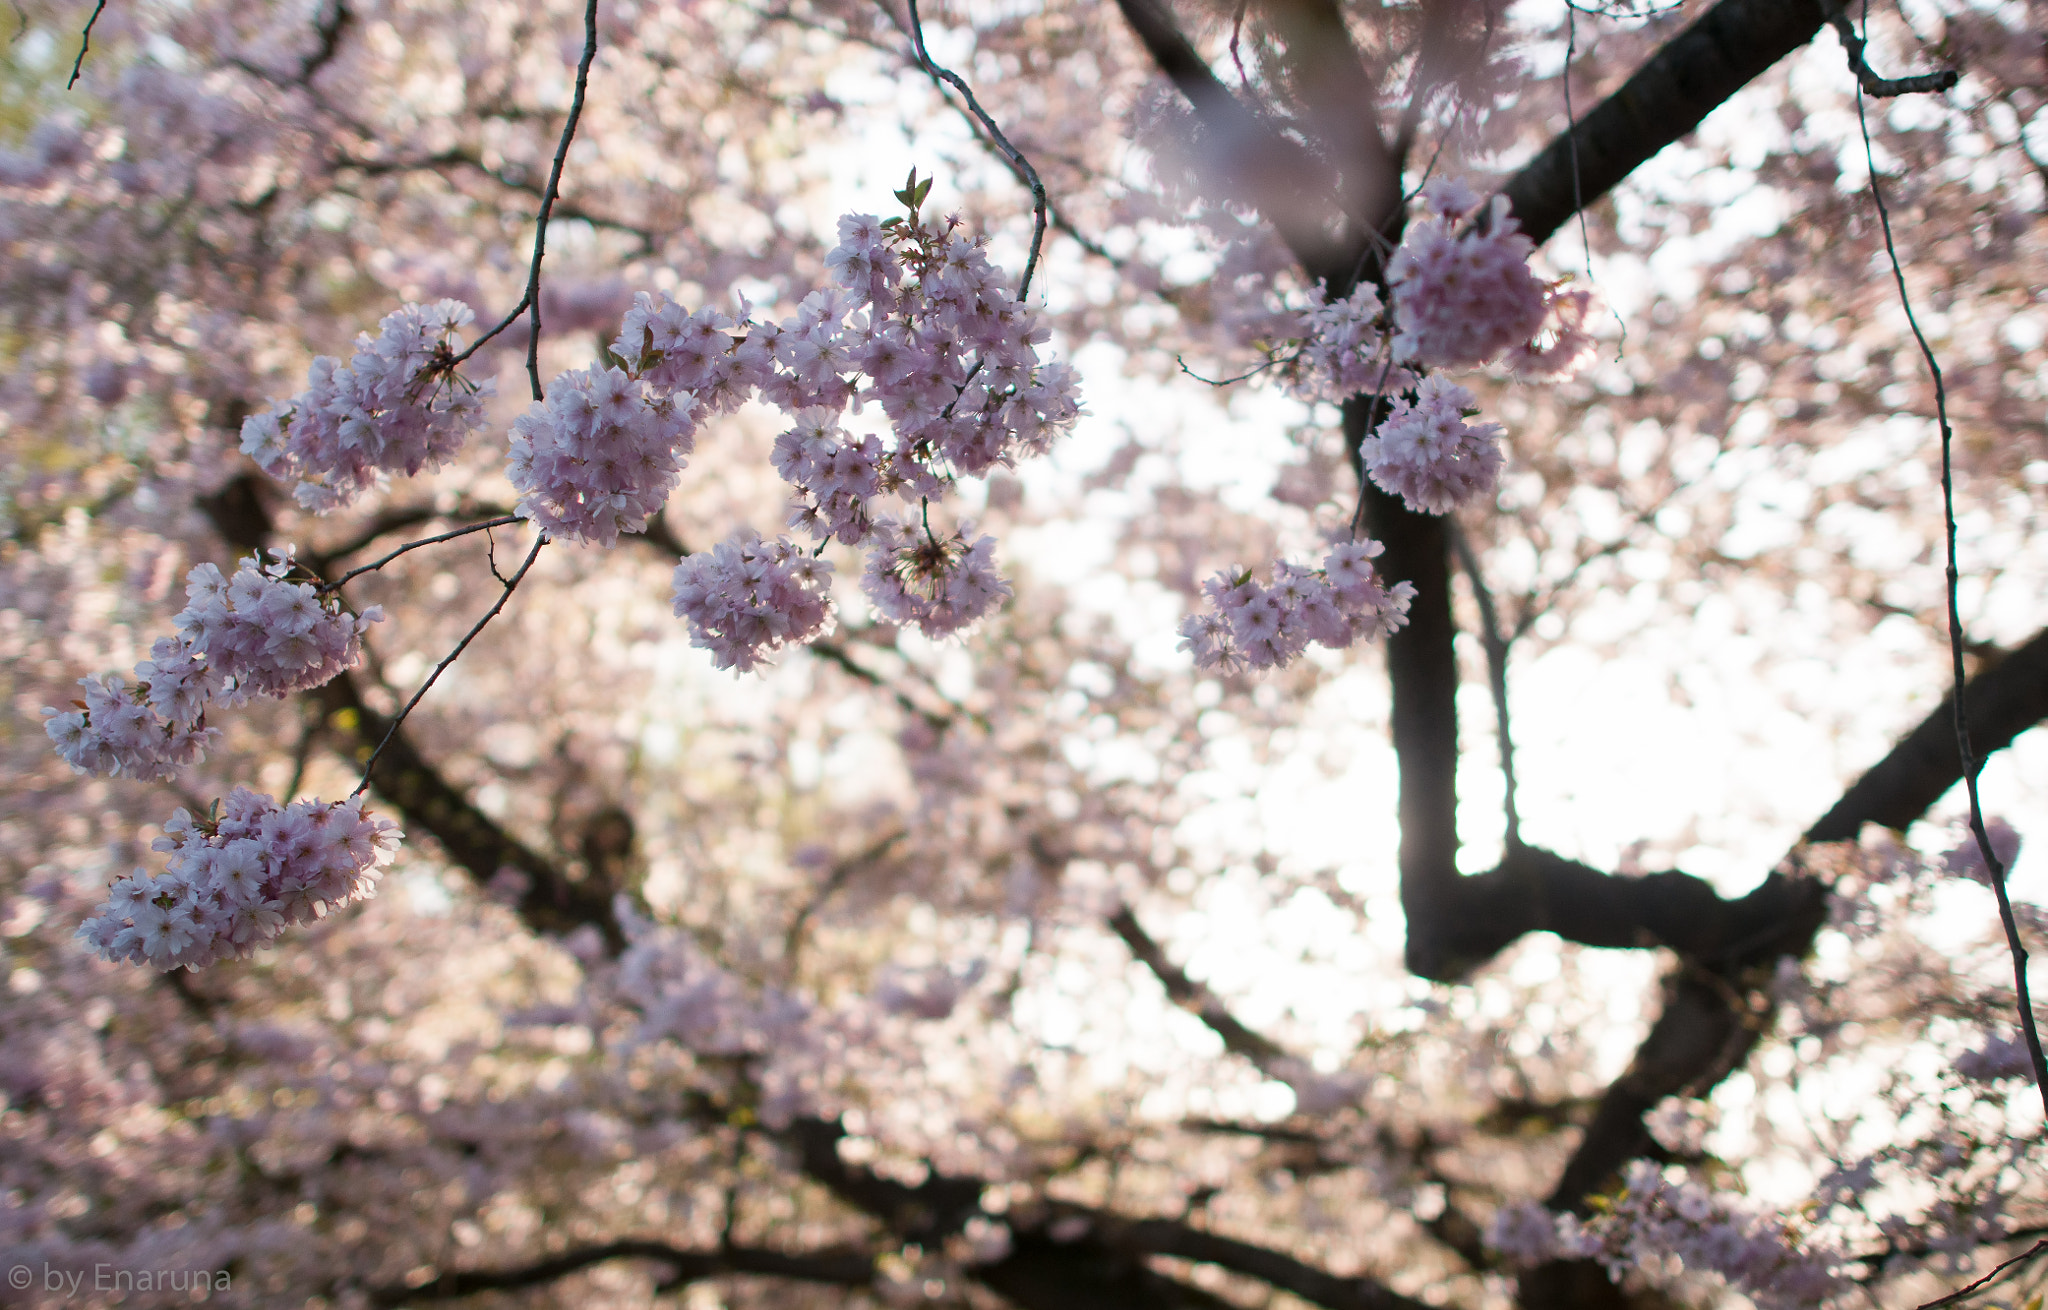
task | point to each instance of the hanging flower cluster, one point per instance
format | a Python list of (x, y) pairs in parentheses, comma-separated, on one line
[(398, 406), (1427, 454), (1268, 626), (1462, 295), (600, 455), (747, 598), (1343, 352), (235, 880), (940, 585), (252, 634), (920, 326), (1462, 288)]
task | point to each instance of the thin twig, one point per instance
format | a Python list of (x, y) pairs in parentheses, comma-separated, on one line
[(1496, 645), (1963, 1292), (1965, 756), (1237, 30), (1571, 136), (415, 545), (84, 44), (1010, 152), (1224, 382), (460, 646), (529, 303), (1853, 44)]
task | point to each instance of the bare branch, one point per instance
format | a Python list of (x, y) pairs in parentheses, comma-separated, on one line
[(530, 302), (460, 646), (1016, 158), (84, 44), (1853, 45), (502, 520), (1194, 997)]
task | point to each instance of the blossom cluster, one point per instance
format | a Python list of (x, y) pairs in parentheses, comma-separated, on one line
[(1267, 626), (253, 634), (748, 597), (1463, 291), (1343, 352), (600, 454), (1655, 1222), (1426, 452), (236, 879), (941, 585), (397, 406), (919, 326)]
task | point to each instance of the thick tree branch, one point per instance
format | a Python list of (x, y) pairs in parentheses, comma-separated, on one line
[(1246, 156), (1722, 52), (1336, 95), (1423, 668), (2002, 701), (1166, 1237), (838, 1267), (1716, 1011)]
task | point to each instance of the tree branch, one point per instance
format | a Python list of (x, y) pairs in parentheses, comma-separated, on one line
[(1244, 155), (1194, 997), (836, 1266), (550, 901), (1700, 68)]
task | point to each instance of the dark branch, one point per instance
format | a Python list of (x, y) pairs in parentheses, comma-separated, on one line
[(1019, 164), (838, 1267), (1729, 46), (1853, 45), (1243, 154), (85, 44), (2002, 701), (1167, 1237), (1192, 996), (530, 302)]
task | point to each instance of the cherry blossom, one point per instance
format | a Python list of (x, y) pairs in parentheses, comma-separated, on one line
[(238, 878), (747, 598), (255, 634), (1426, 453), (600, 455), (1266, 626), (942, 585), (395, 407)]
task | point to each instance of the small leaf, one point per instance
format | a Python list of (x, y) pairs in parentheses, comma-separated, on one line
[(888, 223), (924, 189)]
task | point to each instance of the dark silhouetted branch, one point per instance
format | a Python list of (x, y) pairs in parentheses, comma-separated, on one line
[(838, 1267), (1192, 996), (1694, 73)]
